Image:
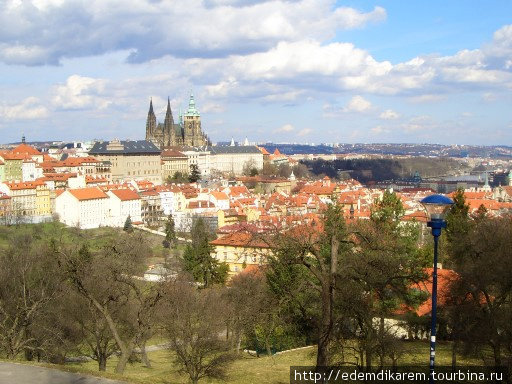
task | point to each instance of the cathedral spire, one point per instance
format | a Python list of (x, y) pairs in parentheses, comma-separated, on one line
[(151, 121), (151, 106), (169, 130), (168, 113)]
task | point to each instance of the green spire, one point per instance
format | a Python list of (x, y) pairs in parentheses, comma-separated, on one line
[(192, 111)]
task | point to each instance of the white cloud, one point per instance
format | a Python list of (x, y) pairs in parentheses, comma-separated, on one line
[(80, 93), (286, 128), (43, 32), (420, 123), (212, 108), (283, 96), (351, 18), (426, 98), (357, 104), (28, 109), (389, 114), (304, 132), (307, 65)]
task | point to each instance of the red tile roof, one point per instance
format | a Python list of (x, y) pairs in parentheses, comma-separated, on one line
[(445, 277), (172, 153), (420, 216), (219, 195), (242, 239), (89, 179), (13, 156), (200, 204), (26, 150), (64, 176), (23, 185), (125, 194), (88, 193), (263, 151)]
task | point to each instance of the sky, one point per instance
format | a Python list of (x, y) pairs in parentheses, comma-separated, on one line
[(305, 71)]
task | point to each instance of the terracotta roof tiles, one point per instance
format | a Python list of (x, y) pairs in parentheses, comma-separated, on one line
[(88, 193), (125, 194)]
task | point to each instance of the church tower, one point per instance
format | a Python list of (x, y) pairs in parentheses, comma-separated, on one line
[(151, 123), (187, 132), (193, 135), (169, 128)]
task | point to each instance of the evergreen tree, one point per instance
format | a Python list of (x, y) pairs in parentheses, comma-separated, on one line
[(388, 210), (170, 232), (387, 264), (195, 173), (458, 223), (178, 177), (480, 213), (128, 227), (198, 260)]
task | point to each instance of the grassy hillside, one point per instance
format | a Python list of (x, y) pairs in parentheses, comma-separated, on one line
[(249, 369)]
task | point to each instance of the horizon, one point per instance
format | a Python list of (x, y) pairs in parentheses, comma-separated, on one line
[(348, 72), (240, 143)]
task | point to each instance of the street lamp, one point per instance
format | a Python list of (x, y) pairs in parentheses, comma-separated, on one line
[(436, 207)]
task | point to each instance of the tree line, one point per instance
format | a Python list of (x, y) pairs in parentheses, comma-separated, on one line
[(376, 170)]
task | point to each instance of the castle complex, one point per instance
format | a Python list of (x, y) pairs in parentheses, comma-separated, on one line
[(187, 132)]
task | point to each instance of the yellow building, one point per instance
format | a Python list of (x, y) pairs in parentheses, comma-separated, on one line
[(136, 160), (2, 171), (43, 199), (240, 250), (229, 216), (173, 161)]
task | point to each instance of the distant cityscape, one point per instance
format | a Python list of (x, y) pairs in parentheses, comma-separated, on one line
[(178, 171)]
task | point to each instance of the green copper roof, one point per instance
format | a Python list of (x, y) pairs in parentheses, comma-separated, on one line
[(192, 111)]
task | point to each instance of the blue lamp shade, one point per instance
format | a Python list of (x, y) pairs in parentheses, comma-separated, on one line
[(436, 206)]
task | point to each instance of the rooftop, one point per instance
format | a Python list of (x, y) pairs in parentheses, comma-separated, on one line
[(88, 193), (124, 147)]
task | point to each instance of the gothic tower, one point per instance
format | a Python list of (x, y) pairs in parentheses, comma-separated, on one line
[(187, 132), (151, 123), (169, 128)]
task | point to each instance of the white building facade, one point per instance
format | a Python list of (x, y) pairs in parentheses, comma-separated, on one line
[(124, 203), (84, 208)]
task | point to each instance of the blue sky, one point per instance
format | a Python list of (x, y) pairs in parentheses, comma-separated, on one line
[(305, 71)]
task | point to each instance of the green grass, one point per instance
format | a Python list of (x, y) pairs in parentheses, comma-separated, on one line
[(248, 369)]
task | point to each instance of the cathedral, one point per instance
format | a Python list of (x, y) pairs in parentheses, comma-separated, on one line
[(187, 132)]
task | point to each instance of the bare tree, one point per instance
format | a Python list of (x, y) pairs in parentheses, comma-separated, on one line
[(112, 270), (26, 289), (253, 310), (194, 321)]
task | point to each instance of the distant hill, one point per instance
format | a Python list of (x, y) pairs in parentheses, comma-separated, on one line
[(436, 150), (377, 170)]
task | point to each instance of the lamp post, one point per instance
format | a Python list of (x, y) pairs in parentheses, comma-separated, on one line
[(436, 207)]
